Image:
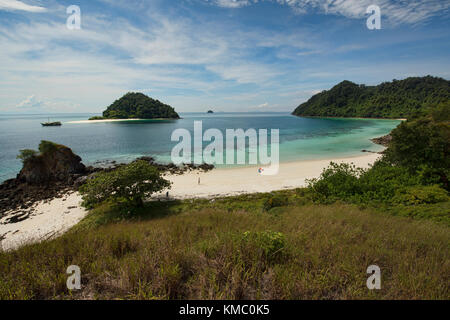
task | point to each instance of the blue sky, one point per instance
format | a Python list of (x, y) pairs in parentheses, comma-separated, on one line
[(241, 55)]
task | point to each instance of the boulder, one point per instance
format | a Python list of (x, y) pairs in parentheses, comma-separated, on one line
[(55, 165), (384, 141)]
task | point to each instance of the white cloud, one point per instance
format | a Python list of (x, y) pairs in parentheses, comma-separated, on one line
[(188, 63), (263, 105), (232, 3), (30, 102), (396, 12), (19, 5), (37, 104)]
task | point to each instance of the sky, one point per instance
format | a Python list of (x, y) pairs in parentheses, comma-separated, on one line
[(224, 55)]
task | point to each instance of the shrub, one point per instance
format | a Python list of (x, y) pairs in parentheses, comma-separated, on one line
[(421, 195), (338, 181), (132, 182), (274, 201), (270, 243), (96, 118), (379, 183), (47, 146), (26, 154)]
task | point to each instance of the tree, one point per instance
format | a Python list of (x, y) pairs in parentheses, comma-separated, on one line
[(132, 182), (422, 144), (26, 154)]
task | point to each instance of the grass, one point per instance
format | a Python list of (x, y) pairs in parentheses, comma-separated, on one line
[(242, 247)]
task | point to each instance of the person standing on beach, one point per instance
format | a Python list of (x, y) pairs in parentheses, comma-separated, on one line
[(198, 180)]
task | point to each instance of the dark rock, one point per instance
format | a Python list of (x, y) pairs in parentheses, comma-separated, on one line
[(57, 164), (384, 141), (18, 217)]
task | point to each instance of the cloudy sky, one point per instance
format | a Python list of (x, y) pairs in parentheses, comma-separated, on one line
[(229, 55)]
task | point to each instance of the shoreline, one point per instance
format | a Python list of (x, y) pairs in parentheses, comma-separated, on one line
[(222, 182), (50, 218), (117, 120), (45, 220), (356, 118)]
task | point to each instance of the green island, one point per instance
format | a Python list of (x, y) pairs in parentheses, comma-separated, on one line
[(307, 243), (136, 105), (396, 99)]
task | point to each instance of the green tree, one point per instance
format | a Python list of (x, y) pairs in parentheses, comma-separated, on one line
[(133, 183), (47, 146), (422, 145), (26, 154)]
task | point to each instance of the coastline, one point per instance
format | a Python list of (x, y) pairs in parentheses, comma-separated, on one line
[(118, 120), (224, 182), (48, 219), (356, 118)]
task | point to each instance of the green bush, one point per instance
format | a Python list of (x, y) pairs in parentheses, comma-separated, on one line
[(338, 181), (421, 195), (377, 184), (270, 243), (26, 154), (381, 182), (47, 146), (96, 118), (274, 201), (132, 183)]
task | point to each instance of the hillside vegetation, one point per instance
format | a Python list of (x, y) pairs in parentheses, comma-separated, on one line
[(235, 248), (138, 106), (396, 99)]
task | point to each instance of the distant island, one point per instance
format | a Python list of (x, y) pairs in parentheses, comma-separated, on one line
[(210, 111), (396, 99), (136, 105)]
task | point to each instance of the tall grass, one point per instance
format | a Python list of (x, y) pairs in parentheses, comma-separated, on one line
[(205, 250)]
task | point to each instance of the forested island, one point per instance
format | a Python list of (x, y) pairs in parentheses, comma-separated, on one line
[(396, 99), (136, 105)]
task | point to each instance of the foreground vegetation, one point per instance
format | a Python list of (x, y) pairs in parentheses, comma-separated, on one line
[(264, 246)]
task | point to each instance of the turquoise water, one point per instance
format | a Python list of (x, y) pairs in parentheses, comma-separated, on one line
[(300, 138)]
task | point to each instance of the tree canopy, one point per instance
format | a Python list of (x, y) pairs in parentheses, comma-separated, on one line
[(132, 182), (396, 99)]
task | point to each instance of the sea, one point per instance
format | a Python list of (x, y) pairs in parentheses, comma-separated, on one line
[(98, 143)]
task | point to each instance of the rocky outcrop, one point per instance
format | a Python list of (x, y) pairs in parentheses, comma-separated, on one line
[(174, 169), (384, 141), (58, 164)]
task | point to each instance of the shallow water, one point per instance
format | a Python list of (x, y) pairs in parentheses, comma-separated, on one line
[(300, 138)]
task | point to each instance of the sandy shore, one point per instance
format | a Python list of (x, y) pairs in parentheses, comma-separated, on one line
[(52, 218), (226, 182), (104, 120), (116, 120), (46, 219)]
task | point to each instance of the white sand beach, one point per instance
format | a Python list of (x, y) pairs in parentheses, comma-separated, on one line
[(234, 181), (103, 120), (47, 219), (52, 218)]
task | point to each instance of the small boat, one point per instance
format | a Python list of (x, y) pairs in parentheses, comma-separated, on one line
[(51, 124)]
